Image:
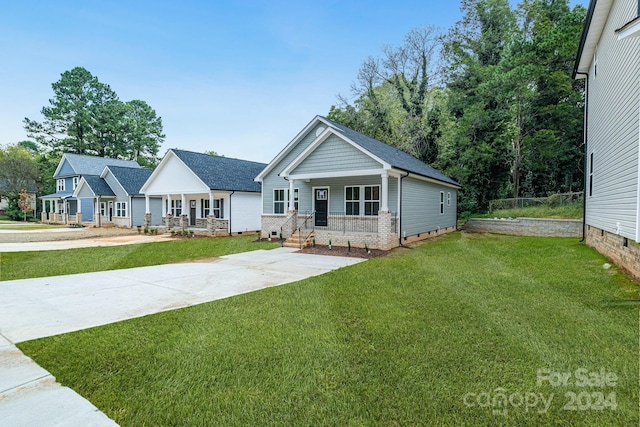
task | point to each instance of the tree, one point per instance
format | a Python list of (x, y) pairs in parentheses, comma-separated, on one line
[(17, 171), (85, 116), (395, 96), (24, 203)]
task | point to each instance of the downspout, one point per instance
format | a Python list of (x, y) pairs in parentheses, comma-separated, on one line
[(400, 210), (586, 156), (230, 211)]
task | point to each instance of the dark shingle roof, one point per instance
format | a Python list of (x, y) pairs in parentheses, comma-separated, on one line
[(92, 165), (98, 185), (395, 157), (131, 179), (223, 173)]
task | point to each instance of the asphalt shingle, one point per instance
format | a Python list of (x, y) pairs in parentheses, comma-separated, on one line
[(131, 179), (223, 173), (395, 157)]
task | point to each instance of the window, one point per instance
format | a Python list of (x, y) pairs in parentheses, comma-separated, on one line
[(278, 201), (362, 199), (60, 185), (352, 200), (441, 202), (175, 208), (75, 182), (204, 207), (121, 209), (103, 209), (371, 200), (218, 211), (591, 175), (448, 198), (296, 193)]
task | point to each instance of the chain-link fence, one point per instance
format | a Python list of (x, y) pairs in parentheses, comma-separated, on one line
[(554, 200)]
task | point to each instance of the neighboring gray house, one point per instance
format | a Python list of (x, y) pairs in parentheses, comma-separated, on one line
[(62, 206), (609, 60), (206, 192), (116, 195), (333, 183)]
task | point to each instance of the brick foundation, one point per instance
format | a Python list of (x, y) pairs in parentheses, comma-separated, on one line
[(625, 253)]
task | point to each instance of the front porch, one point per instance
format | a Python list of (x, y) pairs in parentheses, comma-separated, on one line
[(335, 228)]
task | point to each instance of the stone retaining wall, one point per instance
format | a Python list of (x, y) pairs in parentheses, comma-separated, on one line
[(537, 227)]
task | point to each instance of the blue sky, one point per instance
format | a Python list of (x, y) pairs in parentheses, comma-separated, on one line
[(238, 77)]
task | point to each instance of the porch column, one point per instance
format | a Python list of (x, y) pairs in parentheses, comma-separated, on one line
[(166, 205), (79, 211), (292, 183), (384, 203), (56, 205), (147, 204), (210, 202), (183, 202)]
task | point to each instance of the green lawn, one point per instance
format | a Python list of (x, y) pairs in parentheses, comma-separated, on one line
[(22, 265), (568, 211), (425, 336)]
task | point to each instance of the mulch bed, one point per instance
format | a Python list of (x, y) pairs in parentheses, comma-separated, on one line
[(342, 251)]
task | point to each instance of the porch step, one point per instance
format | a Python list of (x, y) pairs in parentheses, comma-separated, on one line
[(294, 241)]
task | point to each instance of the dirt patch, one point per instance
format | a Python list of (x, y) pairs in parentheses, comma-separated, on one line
[(72, 234), (342, 251)]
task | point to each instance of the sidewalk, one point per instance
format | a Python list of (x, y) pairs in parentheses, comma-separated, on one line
[(36, 308)]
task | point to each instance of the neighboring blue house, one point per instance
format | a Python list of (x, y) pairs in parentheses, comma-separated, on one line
[(62, 206), (116, 195), (331, 183), (205, 192)]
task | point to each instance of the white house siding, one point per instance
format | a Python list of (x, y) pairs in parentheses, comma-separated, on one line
[(614, 97), (421, 207), (334, 155), (246, 212), (176, 178), (272, 180)]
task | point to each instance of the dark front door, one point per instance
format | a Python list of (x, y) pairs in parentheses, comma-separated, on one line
[(322, 206), (192, 212)]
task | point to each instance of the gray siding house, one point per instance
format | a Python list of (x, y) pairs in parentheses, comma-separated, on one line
[(116, 195), (609, 60), (62, 206), (331, 183)]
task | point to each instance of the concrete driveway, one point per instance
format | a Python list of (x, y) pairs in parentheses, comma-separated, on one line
[(36, 308)]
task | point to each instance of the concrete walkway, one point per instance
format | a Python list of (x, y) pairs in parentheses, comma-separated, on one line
[(36, 308), (51, 245)]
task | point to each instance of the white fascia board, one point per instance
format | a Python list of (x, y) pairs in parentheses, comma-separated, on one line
[(434, 181), (337, 174), (62, 160), (321, 138), (287, 149), (156, 171), (81, 184), (307, 151), (632, 29), (594, 32)]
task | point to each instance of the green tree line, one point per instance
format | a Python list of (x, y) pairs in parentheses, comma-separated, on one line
[(491, 101)]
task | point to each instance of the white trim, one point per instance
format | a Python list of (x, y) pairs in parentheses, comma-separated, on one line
[(282, 154), (64, 158), (633, 30), (362, 201), (341, 174), (104, 174), (158, 169), (442, 203), (433, 181), (594, 32), (283, 201), (318, 141), (81, 183)]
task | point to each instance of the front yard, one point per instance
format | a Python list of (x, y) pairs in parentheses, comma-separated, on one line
[(464, 330)]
